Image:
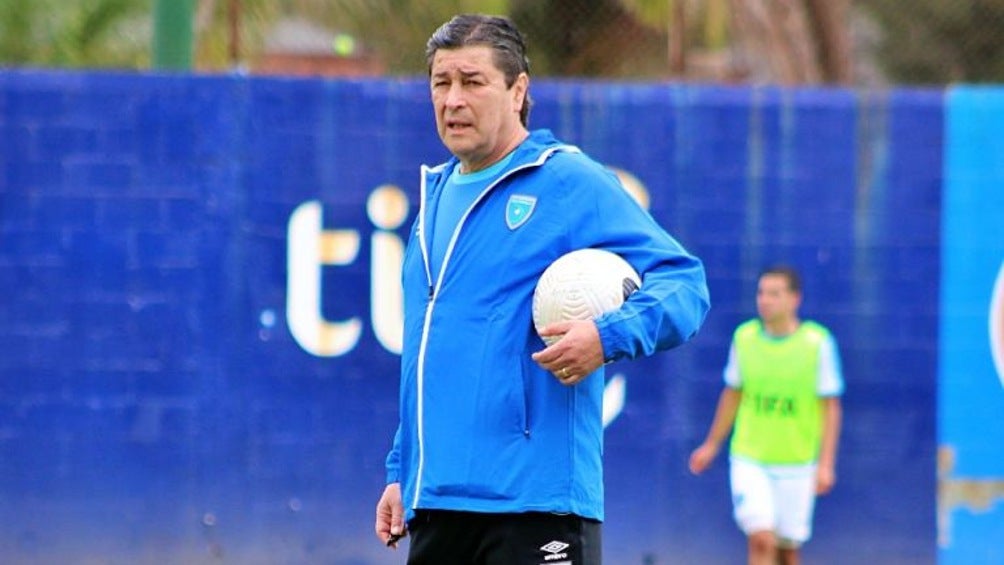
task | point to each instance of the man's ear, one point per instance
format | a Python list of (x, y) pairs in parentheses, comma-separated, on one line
[(519, 90)]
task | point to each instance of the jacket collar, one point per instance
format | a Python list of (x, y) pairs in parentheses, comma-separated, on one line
[(526, 152)]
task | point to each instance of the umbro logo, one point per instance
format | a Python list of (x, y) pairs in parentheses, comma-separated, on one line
[(555, 550)]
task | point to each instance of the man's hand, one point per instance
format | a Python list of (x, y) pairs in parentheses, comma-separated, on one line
[(390, 516), (702, 457), (577, 354), (826, 477)]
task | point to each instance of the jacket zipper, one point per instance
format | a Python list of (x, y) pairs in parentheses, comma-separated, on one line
[(420, 366)]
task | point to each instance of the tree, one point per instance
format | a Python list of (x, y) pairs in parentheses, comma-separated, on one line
[(394, 29), (66, 33), (783, 41), (599, 38), (793, 41), (622, 38), (938, 42), (228, 33)]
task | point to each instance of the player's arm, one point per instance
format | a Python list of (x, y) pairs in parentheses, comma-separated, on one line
[(831, 386), (721, 426), (826, 474)]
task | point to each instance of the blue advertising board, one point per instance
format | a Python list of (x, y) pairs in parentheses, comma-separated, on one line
[(201, 314), (971, 368)]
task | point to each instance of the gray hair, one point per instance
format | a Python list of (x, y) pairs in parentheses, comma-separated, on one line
[(496, 32)]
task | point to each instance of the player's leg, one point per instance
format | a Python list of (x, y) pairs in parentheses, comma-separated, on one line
[(789, 555), (753, 504), (795, 488), (761, 548)]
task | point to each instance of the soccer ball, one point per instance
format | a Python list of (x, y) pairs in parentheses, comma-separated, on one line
[(582, 285)]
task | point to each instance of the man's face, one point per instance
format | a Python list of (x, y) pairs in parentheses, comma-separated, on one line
[(476, 115), (775, 301)]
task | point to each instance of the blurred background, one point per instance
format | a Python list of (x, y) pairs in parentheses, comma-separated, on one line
[(859, 42)]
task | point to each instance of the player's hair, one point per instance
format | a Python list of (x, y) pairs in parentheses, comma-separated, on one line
[(789, 274), (496, 32)]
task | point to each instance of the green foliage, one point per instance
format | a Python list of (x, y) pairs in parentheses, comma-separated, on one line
[(939, 41), (707, 21), (922, 41), (396, 30), (67, 33), (15, 31), (213, 37)]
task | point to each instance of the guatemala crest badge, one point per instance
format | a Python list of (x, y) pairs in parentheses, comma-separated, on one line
[(518, 210)]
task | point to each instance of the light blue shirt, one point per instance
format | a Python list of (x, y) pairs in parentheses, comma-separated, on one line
[(459, 193)]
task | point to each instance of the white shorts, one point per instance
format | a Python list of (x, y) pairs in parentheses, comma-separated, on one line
[(776, 498)]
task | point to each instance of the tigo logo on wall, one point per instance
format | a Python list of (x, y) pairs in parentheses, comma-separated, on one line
[(996, 320)]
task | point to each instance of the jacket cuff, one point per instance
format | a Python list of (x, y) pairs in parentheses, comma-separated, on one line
[(393, 476), (610, 341)]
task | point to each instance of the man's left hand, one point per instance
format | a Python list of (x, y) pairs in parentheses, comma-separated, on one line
[(575, 355), (825, 479)]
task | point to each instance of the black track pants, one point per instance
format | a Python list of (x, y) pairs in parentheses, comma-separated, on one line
[(440, 537)]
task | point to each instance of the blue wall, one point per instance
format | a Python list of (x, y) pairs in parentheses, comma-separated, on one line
[(155, 406), (971, 355)]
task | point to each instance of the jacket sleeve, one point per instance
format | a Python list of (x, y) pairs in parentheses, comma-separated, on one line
[(665, 312), (673, 300), (393, 461)]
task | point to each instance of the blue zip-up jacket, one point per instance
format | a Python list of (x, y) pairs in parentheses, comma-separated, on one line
[(483, 428)]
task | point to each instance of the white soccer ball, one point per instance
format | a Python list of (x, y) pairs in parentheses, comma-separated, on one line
[(582, 285)]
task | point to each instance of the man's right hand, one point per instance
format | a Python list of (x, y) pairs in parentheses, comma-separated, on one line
[(390, 516), (702, 457)]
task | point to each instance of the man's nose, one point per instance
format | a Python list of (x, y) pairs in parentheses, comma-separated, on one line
[(455, 96)]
